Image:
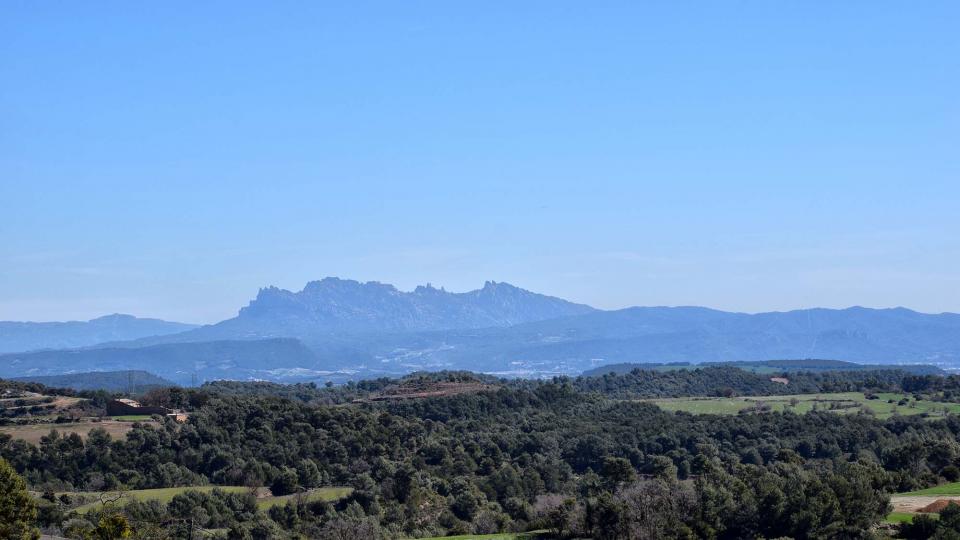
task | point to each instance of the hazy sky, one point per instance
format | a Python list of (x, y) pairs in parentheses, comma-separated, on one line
[(168, 159)]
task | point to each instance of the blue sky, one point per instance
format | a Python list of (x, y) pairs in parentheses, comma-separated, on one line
[(168, 159)]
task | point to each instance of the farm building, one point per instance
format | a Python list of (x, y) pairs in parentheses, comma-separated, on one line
[(124, 407)]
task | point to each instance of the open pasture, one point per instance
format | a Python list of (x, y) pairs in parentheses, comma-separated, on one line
[(265, 501), (906, 505), (319, 494), (163, 495), (32, 433), (499, 536)]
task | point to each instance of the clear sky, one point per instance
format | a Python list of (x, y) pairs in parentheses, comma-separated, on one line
[(167, 159)]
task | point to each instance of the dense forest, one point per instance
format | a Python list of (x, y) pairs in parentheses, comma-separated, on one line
[(577, 457)]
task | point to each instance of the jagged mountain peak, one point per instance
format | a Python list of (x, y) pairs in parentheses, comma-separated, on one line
[(337, 284), (334, 304)]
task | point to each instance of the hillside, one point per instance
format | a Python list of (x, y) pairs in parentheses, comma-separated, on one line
[(29, 336), (767, 366), (689, 334), (664, 335), (274, 359), (137, 380)]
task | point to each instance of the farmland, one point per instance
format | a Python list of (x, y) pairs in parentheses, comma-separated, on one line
[(32, 403), (30, 416), (32, 433), (163, 495), (132, 417), (884, 406), (907, 505), (952, 488), (313, 495), (500, 536), (265, 500)]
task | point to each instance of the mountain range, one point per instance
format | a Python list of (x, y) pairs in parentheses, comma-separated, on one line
[(339, 329), (333, 306)]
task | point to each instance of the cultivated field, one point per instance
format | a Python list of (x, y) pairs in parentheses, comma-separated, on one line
[(132, 417), (37, 403), (952, 488), (319, 494), (500, 536), (886, 404), (164, 495), (32, 433), (906, 505)]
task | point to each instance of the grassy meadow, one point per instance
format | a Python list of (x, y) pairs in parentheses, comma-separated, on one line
[(132, 417), (498, 536), (319, 494), (165, 495), (952, 488), (32, 433), (943, 490)]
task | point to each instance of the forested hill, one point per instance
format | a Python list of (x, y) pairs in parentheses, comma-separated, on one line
[(728, 381), (128, 381), (714, 381), (559, 455), (767, 366)]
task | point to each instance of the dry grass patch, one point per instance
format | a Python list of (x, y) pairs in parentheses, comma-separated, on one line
[(32, 433)]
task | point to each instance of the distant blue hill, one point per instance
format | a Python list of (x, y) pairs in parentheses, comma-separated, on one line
[(29, 336), (691, 334), (179, 362)]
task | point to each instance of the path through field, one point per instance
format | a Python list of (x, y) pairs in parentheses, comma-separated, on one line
[(912, 503)]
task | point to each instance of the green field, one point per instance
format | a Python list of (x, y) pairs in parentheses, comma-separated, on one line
[(132, 417), (499, 536), (319, 494), (165, 495), (841, 402), (907, 517), (943, 489), (903, 517), (32, 433)]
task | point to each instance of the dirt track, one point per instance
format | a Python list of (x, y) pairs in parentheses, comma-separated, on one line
[(912, 503)]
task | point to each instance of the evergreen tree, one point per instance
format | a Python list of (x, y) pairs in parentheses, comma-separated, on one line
[(18, 511)]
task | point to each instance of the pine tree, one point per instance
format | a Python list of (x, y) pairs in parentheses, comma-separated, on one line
[(18, 511)]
